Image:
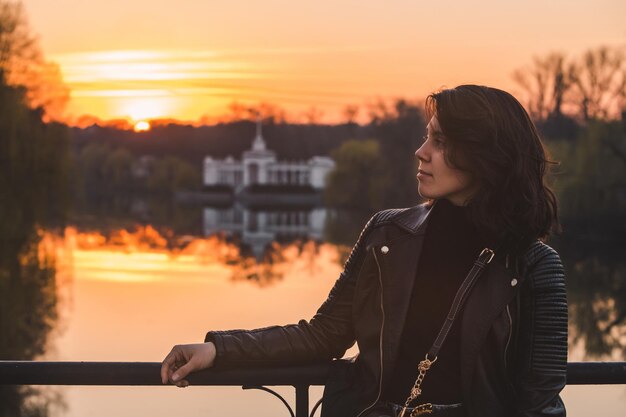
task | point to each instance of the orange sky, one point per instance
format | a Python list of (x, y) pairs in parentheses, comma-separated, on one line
[(191, 58)]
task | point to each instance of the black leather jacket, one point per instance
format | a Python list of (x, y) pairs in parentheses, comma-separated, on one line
[(513, 331)]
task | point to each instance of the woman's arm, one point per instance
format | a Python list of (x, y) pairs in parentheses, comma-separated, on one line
[(328, 334), (542, 357)]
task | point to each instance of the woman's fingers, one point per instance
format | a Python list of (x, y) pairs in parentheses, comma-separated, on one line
[(165, 367), (184, 359), (182, 383), (184, 370), (170, 363)]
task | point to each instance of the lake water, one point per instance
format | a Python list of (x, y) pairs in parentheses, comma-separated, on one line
[(131, 294)]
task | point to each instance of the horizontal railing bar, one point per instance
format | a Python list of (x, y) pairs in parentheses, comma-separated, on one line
[(596, 373), (149, 373)]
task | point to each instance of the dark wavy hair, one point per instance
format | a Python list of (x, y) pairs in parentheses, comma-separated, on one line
[(491, 136)]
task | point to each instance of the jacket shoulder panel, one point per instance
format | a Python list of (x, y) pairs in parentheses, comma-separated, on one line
[(386, 216), (536, 251), (407, 218), (546, 276)]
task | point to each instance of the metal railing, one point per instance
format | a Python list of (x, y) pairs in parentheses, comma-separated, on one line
[(301, 377)]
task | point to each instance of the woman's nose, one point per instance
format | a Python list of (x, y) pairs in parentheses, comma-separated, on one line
[(420, 152)]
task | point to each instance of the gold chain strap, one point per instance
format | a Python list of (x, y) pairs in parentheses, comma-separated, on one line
[(427, 408)]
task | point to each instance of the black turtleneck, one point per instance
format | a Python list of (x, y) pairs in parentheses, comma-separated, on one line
[(451, 245)]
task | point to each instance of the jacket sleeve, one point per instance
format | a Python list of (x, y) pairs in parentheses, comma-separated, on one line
[(543, 343), (327, 335)]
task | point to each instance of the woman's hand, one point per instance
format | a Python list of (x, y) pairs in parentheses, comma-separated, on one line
[(184, 359)]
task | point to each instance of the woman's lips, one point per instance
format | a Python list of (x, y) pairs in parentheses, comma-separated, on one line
[(422, 174)]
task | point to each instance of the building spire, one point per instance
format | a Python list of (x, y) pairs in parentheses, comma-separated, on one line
[(259, 143)]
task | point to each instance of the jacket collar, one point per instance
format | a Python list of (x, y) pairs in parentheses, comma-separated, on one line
[(414, 219)]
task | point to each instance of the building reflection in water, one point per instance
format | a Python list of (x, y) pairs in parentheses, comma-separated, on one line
[(257, 229)]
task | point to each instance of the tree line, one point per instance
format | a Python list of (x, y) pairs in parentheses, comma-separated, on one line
[(578, 104)]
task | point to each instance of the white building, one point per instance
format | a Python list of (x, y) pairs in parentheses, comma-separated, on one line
[(260, 166)]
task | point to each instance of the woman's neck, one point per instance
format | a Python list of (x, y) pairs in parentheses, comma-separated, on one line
[(455, 202)]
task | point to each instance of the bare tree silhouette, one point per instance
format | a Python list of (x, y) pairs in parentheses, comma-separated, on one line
[(313, 115), (545, 84), (592, 86), (600, 82), (350, 113)]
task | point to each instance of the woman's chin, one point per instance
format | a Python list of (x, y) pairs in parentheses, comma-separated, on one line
[(424, 192)]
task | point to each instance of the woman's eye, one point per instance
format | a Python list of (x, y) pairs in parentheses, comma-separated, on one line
[(438, 142)]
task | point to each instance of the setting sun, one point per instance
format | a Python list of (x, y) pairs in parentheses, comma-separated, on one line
[(142, 126)]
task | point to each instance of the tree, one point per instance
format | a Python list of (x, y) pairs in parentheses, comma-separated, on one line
[(358, 180), (92, 176), (18, 48), (397, 128), (592, 184), (313, 115), (171, 174), (117, 169), (546, 83), (22, 64), (592, 86), (271, 112), (34, 173), (350, 113), (599, 78)]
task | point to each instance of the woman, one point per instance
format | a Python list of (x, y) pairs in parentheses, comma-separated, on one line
[(504, 350)]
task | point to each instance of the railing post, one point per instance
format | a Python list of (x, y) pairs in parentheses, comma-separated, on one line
[(302, 400)]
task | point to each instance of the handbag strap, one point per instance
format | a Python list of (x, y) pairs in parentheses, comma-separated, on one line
[(461, 295)]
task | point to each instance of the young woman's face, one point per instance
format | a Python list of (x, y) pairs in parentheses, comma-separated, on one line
[(436, 178)]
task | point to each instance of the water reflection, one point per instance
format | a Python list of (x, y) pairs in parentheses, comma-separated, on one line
[(596, 283), (28, 313), (244, 269), (258, 229), (259, 245)]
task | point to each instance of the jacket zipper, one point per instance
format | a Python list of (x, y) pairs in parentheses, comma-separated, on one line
[(508, 313), (382, 325)]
